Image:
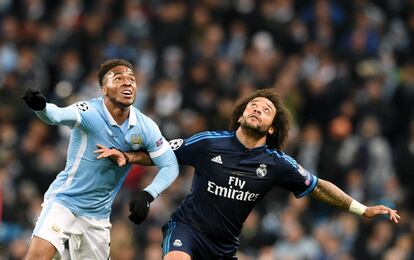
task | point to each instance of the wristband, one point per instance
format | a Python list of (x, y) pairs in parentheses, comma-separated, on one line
[(357, 208), (126, 158), (124, 154)]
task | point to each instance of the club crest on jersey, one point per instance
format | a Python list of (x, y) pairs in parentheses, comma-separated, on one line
[(262, 170), (136, 139), (176, 143), (82, 106), (177, 243)]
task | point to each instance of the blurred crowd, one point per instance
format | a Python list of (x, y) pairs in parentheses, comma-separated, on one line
[(344, 68)]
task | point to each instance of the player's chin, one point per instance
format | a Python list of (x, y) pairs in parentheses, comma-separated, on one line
[(121, 104), (127, 101), (253, 126), (261, 129)]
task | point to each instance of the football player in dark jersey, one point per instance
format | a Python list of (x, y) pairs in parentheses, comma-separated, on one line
[(233, 170)]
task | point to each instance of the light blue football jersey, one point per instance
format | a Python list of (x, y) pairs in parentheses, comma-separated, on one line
[(87, 186)]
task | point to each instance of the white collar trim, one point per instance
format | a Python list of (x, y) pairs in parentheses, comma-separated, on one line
[(132, 118)]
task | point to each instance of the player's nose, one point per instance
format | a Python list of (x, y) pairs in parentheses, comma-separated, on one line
[(126, 82), (257, 110)]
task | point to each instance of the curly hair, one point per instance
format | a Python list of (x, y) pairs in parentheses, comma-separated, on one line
[(109, 64), (281, 122)]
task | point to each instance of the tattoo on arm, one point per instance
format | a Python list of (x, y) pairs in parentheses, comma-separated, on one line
[(140, 158), (328, 192)]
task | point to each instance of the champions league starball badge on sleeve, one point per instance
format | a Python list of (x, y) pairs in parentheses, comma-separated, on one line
[(82, 106), (176, 143)]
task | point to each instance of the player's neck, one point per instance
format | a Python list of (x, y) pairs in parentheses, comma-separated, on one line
[(119, 114), (249, 141)]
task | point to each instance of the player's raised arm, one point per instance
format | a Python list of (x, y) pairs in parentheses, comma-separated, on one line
[(328, 192), (48, 112)]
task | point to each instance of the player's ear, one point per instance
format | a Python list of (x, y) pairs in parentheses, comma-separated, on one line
[(271, 130), (105, 90)]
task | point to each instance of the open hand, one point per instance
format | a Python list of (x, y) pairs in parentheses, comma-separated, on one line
[(373, 211), (111, 153)]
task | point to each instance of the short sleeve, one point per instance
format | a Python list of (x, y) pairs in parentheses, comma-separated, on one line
[(88, 116), (189, 150), (295, 178)]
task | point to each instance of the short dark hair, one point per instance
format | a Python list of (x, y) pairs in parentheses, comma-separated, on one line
[(109, 64), (281, 122)]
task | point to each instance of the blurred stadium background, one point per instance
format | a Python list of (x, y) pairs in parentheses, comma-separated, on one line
[(344, 68)]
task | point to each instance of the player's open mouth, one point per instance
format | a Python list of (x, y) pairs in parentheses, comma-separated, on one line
[(127, 93)]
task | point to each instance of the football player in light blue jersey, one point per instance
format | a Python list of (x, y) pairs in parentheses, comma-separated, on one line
[(74, 221)]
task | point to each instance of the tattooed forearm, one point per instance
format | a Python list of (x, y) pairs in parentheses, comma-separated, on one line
[(328, 192), (139, 158)]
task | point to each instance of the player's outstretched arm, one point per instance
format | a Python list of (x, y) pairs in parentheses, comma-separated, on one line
[(328, 192), (50, 113), (123, 158)]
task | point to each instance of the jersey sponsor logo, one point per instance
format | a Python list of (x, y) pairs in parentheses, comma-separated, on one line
[(159, 142), (177, 243), (217, 159), (176, 143), (233, 191), (261, 171), (82, 106), (136, 139)]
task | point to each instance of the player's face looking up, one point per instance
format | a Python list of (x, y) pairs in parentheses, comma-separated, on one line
[(258, 116), (120, 86)]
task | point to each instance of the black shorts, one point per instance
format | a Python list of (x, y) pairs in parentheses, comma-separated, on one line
[(182, 237)]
